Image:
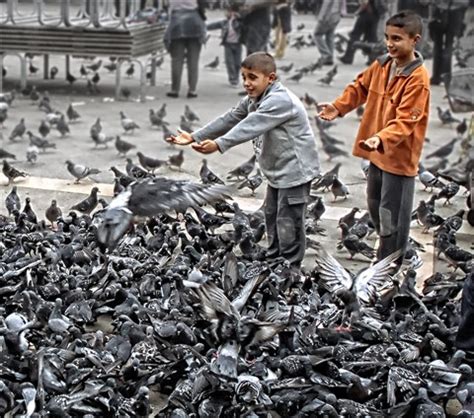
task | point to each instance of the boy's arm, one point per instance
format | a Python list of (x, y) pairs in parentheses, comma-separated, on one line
[(355, 94), (223, 123), (218, 24), (268, 116), (408, 114)]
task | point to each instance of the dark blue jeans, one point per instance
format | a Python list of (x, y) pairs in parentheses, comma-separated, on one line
[(390, 203), (233, 58)]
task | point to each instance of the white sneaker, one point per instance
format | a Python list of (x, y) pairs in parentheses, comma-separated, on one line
[(414, 262)]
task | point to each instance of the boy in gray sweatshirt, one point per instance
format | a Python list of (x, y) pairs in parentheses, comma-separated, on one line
[(288, 157)]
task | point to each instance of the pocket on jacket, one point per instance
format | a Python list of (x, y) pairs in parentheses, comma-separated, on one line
[(297, 200)]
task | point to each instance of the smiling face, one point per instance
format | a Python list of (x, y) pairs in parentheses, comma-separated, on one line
[(400, 45), (255, 82)]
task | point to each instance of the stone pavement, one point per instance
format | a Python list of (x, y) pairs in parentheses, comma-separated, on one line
[(49, 178)]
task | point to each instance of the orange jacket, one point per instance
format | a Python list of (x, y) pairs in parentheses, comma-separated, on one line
[(396, 112)]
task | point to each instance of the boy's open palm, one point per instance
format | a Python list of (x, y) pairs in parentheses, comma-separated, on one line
[(184, 138), (208, 146), (328, 111)]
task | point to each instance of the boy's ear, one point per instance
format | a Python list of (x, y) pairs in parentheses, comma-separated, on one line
[(417, 38), (272, 77)]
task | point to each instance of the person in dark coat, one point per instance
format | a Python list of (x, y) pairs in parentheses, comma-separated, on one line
[(446, 24), (465, 335), (365, 26), (184, 37), (256, 25)]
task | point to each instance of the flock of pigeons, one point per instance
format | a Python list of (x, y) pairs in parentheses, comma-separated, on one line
[(102, 308)]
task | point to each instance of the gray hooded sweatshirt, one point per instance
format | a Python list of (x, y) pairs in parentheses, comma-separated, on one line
[(288, 156)]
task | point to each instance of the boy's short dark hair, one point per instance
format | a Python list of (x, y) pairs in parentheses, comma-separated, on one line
[(260, 61), (408, 20)]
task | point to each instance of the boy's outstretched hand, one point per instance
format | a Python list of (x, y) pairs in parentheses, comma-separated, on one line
[(208, 146), (328, 111), (184, 138)]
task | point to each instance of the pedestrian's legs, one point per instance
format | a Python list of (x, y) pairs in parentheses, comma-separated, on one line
[(356, 33), (437, 56), (396, 205), (321, 40), (177, 51), (291, 223), (330, 35), (229, 62), (237, 59), (374, 188), (271, 210), (193, 50)]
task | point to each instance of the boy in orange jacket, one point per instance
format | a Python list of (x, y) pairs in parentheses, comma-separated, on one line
[(395, 89)]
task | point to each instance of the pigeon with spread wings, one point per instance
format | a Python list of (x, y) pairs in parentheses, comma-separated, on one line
[(365, 284), (150, 197)]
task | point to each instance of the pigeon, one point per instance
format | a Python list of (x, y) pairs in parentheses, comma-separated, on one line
[(332, 151), (296, 77), (327, 79), (44, 128), (40, 143), (446, 117), (134, 170), (286, 68), (4, 154), (444, 151), (349, 219), (448, 192), (213, 64), (127, 123), (243, 170), (209, 220), (428, 179), (339, 189), (28, 211), (53, 212), (155, 120), (12, 201), (34, 95), (161, 112), (96, 127), (53, 72), (151, 197), (207, 176), (19, 130), (353, 243), (360, 112), (130, 70), (176, 160), (325, 181), (125, 92), (32, 153), (62, 126), (366, 284), (83, 71), (123, 146), (32, 68), (11, 173), (94, 67), (316, 209), (79, 171), (72, 114), (185, 124), (252, 182), (101, 138), (461, 128), (149, 163), (70, 78), (190, 115), (88, 204)]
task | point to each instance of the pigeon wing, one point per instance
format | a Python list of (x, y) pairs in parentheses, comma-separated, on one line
[(331, 272), (153, 196)]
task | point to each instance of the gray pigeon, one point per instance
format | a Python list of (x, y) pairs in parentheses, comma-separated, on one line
[(79, 171)]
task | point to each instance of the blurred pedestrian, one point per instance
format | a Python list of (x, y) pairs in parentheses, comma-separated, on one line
[(365, 26), (328, 19), (447, 23), (231, 34), (184, 37), (282, 26), (256, 24)]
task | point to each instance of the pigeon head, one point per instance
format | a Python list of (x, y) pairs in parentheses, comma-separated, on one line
[(116, 222)]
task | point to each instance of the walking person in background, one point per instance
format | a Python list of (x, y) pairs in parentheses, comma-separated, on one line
[(184, 37), (282, 25), (446, 24), (256, 24), (328, 19), (365, 26), (231, 40)]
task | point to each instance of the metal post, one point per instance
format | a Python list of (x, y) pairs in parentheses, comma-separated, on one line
[(22, 71), (153, 69), (46, 66), (118, 73)]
